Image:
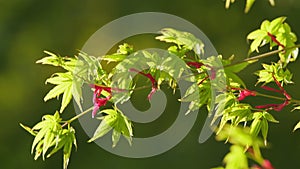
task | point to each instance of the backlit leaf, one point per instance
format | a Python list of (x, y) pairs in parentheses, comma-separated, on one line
[(236, 158), (67, 63), (249, 4), (264, 130), (297, 126), (185, 39), (65, 86), (255, 127), (116, 121), (28, 129)]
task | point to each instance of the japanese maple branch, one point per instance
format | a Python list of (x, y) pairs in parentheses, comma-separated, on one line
[(264, 55)]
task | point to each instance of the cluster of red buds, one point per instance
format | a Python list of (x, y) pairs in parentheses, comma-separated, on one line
[(98, 100), (277, 107)]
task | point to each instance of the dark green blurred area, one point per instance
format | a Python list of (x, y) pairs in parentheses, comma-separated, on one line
[(29, 27)]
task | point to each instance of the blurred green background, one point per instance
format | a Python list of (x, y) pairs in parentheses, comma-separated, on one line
[(29, 27)]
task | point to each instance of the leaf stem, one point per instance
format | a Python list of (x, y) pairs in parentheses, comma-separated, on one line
[(77, 116), (277, 98), (270, 96)]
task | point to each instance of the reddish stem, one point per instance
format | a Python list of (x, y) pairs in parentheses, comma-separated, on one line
[(273, 37), (203, 80), (271, 89), (151, 78), (195, 64), (287, 96)]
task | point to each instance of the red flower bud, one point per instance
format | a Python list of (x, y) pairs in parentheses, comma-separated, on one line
[(195, 64), (97, 99), (245, 93), (267, 165)]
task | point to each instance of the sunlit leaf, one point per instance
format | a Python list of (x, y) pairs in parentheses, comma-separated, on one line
[(297, 126), (264, 130), (48, 139), (296, 108), (276, 24), (116, 121), (255, 126), (235, 78), (236, 158), (65, 85), (114, 58), (249, 4), (256, 34), (67, 63), (115, 137), (238, 135), (272, 2), (237, 67), (38, 150), (39, 137), (185, 39), (103, 128), (278, 34), (269, 117), (281, 74), (28, 129), (125, 49), (45, 133)]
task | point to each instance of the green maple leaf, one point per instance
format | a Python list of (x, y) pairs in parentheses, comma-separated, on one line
[(116, 121), (64, 85)]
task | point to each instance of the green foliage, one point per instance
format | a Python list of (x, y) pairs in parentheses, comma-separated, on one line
[(276, 33), (281, 74), (66, 83), (232, 70), (197, 96), (64, 86), (216, 85), (182, 40), (245, 145), (236, 159), (238, 135), (235, 113), (209, 75), (90, 70), (65, 141), (297, 126), (49, 133), (67, 63), (249, 4), (116, 120), (123, 51), (260, 124), (161, 66)]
